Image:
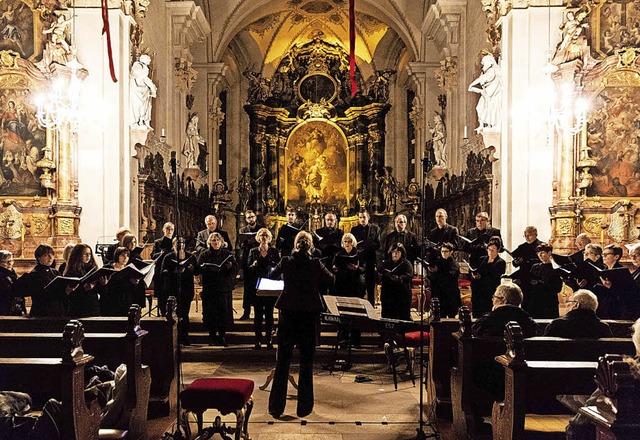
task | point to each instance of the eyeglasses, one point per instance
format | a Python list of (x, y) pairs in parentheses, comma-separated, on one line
[(497, 297), (607, 253), (570, 301)]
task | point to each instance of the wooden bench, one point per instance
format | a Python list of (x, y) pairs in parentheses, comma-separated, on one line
[(158, 347), (476, 380), (616, 418), (58, 378), (528, 406), (111, 349)]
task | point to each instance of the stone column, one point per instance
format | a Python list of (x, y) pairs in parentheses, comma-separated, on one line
[(215, 74)]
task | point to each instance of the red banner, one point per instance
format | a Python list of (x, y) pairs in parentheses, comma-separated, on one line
[(105, 29), (352, 47)]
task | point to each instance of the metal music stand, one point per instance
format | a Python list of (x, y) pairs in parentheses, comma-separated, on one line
[(420, 430)]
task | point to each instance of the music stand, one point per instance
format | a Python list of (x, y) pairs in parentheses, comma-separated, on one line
[(420, 432)]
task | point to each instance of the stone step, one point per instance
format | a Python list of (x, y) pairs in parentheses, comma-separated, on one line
[(235, 337)]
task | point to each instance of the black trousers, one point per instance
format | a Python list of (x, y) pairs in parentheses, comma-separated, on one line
[(294, 328), (370, 281), (215, 312), (263, 310)]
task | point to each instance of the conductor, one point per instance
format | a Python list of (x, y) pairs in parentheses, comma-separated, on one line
[(300, 304)]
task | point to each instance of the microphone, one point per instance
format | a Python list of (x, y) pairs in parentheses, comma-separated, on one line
[(173, 162)]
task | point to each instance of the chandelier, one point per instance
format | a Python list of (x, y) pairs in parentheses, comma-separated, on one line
[(59, 106)]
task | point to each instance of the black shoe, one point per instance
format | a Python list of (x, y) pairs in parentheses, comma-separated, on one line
[(222, 342), (269, 345), (244, 317), (275, 415), (257, 346), (304, 412)]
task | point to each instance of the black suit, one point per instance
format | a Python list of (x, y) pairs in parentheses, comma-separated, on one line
[(493, 323), (408, 240), (368, 238), (245, 241), (445, 234), (300, 304), (478, 249), (579, 323), (161, 247), (286, 237)]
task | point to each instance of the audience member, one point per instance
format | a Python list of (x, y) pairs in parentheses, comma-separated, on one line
[(581, 320), (507, 300)]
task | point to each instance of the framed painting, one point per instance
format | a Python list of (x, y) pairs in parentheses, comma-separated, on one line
[(316, 164), (22, 141)]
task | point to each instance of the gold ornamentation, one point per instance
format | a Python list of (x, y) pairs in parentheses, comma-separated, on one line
[(264, 24), (627, 57), (185, 74), (39, 224), (564, 226), (9, 59), (11, 223), (446, 74), (592, 224), (65, 226)]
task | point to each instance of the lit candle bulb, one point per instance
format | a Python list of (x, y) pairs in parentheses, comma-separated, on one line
[(465, 132), (163, 135)]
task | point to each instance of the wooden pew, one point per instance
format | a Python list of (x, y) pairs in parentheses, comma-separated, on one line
[(59, 378), (620, 329), (111, 349), (528, 403), (441, 358), (616, 418), (476, 380), (158, 347)]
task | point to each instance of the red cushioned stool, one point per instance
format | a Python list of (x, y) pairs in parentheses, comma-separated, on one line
[(225, 395), (403, 349)]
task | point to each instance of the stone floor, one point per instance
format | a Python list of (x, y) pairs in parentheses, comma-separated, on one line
[(343, 409)]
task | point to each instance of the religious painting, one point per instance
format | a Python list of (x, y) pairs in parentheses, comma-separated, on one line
[(613, 136), (616, 25), (16, 28), (315, 165), (22, 141)]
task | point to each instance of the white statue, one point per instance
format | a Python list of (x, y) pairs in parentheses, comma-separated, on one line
[(490, 91), (190, 147), (142, 90), (439, 137), (58, 30)]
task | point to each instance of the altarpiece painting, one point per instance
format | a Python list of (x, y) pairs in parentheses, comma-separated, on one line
[(317, 165)]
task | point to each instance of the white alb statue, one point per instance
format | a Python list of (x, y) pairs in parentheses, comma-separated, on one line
[(490, 90), (142, 90), (190, 147), (439, 137)]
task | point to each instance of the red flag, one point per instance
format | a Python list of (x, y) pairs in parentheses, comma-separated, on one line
[(352, 47), (105, 29)]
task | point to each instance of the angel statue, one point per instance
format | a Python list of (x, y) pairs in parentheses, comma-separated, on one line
[(389, 189), (439, 138), (489, 86), (190, 147), (246, 187), (142, 90)]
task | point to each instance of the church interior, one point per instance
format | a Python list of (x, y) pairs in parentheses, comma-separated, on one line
[(135, 113)]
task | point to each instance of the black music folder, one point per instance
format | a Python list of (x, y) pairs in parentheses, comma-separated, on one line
[(95, 274), (341, 261), (214, 265), (60, 283), (619, 276)]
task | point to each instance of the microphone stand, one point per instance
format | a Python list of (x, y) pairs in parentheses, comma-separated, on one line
[(174, 163), (420, 433)]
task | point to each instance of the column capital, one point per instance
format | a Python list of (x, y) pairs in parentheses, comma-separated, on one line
[(188, 26)]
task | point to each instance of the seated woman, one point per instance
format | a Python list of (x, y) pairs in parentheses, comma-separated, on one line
[(395, 274), (179, 265), (118, 298), (261, 262), (43, 302), (10, 304), (84, 299)]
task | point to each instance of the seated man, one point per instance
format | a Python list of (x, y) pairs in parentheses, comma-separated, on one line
[(506, 307), (581, 321)]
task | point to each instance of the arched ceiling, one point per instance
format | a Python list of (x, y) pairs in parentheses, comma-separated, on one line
[(266, 30)]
